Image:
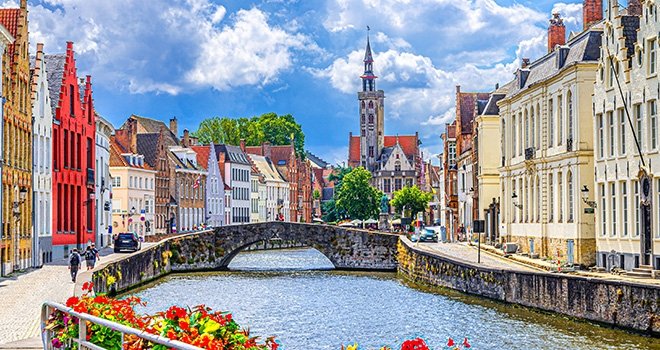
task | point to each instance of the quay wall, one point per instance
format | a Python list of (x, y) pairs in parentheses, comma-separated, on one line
[(620, 303)]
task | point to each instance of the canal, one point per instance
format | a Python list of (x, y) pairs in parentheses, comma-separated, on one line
[(297, 297)]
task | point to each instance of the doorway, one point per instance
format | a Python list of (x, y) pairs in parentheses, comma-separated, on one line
[(646, 241)]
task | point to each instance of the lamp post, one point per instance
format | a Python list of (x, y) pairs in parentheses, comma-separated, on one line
[(514, 200), (585, 197), (19, 198)]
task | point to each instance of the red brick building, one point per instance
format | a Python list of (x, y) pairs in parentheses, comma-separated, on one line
[(73, 153)]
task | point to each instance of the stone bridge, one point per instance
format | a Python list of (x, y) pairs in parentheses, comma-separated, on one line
[(346, 248)]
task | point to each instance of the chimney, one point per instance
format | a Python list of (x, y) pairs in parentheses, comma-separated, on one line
[(556, 32), (266, 149), (243, 145), (634, 8), (186, 138), (174, 126), (132, 135), (592, 12)]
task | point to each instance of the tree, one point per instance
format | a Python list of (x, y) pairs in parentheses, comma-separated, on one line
[(412, 198), (210, 130), (281, 130), (337, 176), (316, 194), (357, 197)]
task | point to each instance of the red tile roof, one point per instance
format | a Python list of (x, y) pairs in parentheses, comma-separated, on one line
[(408, 143), (10, 18), (277, 153), (203, 153), (116, 158)]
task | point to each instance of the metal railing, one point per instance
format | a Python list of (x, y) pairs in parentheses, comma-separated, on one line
[(47, 335)]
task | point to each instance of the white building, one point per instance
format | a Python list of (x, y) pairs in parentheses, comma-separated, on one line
[(215, 186), (276, 188), (103, 186), (627, 186), (254, 195), (42, 119), (236, 168)]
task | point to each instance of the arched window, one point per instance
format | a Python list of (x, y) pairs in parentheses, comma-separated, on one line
[(371, 118), (569, 184), (514, 140), (526, 128), (503, 141), (362, 104), (362, 119), (532, 133), (538, 126), (397, 166), (551, 199), (371, 104), (560, 196), (538, 199)]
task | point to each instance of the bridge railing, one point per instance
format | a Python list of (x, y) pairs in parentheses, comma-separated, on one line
[(47, 335)]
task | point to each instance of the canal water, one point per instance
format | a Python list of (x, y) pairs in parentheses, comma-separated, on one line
[(293, 295)]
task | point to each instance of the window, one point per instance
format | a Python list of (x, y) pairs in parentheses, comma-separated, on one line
[(601, 146), (613, 208), (640, 128), (571, 206), (560, 120), (397, 166), (551, 123), (452, 154), (624, 207), (71, 100), (371, 118), (560, 192), (551, 199), (513, 136), (387, 185), (569, 116), (538, 200), (603, 221), (610, 76), (654, 124), (612, 126), (622, 132), (515, 210), (116, 181), (397, 184), (652, 53), (371, 151)]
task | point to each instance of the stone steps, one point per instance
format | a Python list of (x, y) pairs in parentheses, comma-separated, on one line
[(643, 271)]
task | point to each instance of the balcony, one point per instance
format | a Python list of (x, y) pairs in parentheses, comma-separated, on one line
[(530, 153), (569, 144), (90, 176)]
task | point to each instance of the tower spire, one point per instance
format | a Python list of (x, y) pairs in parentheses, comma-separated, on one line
[(368, 77)]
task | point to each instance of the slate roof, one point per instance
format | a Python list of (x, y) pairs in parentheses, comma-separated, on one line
[(183, 163), (265, 167), (630, 26), (316, 160), (149, 125), (233, 154), (147, 145), (585, 47), (55, 74)]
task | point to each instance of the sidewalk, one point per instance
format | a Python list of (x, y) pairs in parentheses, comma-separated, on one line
[(465, 253), (21, 297)]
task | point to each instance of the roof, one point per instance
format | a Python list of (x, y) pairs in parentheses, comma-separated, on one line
[(467, 101), (491, 107), (320, 163), (183, 163), (630, 26), (368, 57), (409, 144), (118, 160), (265, 166), (54, 75), (279, 155), (584, 47), (9, 18), (147, 145), (203, 153), (148, 125), (233, 154)]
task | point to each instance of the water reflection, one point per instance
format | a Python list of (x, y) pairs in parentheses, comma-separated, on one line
[(323, 309)]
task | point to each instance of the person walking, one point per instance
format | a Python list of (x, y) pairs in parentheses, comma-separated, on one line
[(91, 255), (74, 264)]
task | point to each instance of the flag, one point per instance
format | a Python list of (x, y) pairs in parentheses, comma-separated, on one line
[(197, 182)]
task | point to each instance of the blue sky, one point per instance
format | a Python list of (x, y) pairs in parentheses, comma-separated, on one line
[(201, 58)]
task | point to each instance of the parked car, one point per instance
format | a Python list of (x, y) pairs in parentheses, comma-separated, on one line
[(428, 235), (127, 241)]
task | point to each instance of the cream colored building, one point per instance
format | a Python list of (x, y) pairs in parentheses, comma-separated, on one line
[(547, 138), (489, 159), (133, 191), (627, 212), (276, 198)]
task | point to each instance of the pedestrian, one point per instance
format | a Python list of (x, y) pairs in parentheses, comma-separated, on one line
[(91, 256), (74, 264)]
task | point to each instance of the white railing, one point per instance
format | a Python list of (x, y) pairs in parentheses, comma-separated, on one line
[(47, 335)]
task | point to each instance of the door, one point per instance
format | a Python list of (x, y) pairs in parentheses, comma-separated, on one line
[(531, 246), (570, 248), (646, 248)]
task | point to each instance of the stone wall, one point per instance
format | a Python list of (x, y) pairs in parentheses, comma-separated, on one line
[(619, 303), (347, 249)]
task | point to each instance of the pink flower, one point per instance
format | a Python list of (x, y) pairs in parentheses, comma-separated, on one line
[(57, 343)]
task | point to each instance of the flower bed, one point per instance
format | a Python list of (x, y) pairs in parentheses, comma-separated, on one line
[(198, 326)]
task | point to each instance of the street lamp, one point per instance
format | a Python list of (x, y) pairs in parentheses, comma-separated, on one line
[(514, 199), (585, 197)]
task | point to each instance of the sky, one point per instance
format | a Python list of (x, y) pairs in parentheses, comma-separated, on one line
[(195, 59)]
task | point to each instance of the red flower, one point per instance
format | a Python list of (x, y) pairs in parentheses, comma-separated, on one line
[(450, 343), (88, 286), (175, 312), (414, 344), (72, 301), (184, 325), (466, 344)]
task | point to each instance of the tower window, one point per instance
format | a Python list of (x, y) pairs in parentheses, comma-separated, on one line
[(362, 132), (371, 118), (362, 119), (362, 104), (371, 104), (371, 151)]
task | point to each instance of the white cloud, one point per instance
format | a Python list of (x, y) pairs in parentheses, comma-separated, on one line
[(571, 13)]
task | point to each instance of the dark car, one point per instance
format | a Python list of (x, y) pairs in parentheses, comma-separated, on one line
[(127, 241), (428, 235)]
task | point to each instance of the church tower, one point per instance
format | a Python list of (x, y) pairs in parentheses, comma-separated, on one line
[(372, 120)]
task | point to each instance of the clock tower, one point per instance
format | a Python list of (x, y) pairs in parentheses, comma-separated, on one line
[(372, 120)]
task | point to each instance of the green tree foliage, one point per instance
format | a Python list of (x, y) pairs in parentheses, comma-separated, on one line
[(412, 198), (337, 176), (277, 129), (357, 197)]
